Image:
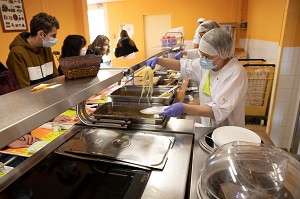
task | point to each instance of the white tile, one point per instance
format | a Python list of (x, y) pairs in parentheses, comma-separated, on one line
[(285, 143), (259, 49), (242, 43), (281, 108), (279, 121), (291, 53), (273, 61), (288, 68), (291, 121), (295, 95), (293, 107), (277, 132), (270, 51), (278, 142), (283, 95), (296, 83), (285, 81), (297, 72)]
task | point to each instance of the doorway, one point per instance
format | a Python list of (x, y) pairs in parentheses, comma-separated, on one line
[(153, 31)]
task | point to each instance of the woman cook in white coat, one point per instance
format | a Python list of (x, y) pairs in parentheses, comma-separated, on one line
[(201, 30), (222, 80)]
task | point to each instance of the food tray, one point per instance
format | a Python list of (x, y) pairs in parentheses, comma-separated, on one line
[(138, 80), (141, 147), (80, 66), (168, 42), (128, 112), (133, 93), (169, 82)]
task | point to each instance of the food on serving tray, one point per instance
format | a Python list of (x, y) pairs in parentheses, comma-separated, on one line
[(172, 75), (147, 82), (41, 86)]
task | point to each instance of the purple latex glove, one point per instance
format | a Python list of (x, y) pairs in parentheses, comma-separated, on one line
[(152, 62), (174, 110), (178, 55)]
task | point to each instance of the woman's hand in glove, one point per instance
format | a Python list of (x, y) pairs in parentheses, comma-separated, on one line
[(152, 62), (174, 110), (178, 55)]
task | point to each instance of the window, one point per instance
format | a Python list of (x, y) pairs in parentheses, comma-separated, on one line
[(96, 18)]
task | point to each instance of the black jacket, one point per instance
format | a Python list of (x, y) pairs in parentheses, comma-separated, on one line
[(126, 48), (7, 81)]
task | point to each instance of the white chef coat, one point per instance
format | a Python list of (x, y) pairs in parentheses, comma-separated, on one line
[(228, 88), (196, 39), (192, 53)]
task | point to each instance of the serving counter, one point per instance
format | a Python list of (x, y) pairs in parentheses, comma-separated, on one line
[(22, 111)]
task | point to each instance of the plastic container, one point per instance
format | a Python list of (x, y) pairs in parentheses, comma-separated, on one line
[(168, 42), (249, 170)]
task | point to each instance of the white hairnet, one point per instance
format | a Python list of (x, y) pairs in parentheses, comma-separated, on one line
[(216, 42), (207, 26), (200, 20)]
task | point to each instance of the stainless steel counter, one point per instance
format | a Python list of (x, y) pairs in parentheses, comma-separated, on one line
[(23, 111), (126, 62), (200, 155)]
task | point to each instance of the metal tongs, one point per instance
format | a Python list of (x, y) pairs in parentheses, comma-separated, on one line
[(169, 91)]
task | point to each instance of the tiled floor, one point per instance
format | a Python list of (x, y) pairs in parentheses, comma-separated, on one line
[(255, 124)]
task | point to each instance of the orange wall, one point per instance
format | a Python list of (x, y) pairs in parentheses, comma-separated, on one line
[(265, 19), (183, 13), (292, 26), (68, 12)]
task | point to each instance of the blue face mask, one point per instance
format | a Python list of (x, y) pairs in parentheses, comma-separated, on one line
[(207, 64), (51, 42)]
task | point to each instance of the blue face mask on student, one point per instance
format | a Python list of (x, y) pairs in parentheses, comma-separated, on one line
[(51, 42), (207, 64)]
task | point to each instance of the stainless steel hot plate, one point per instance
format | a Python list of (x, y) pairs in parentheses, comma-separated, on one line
[(139, 147)]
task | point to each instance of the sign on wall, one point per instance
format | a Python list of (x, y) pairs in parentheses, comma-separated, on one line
[(129, 28), (12, 15)]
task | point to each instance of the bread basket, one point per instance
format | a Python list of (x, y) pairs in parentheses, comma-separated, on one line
[(80, 66)]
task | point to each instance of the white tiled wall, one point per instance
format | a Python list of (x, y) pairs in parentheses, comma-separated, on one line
[(289, 83), (288, 93)]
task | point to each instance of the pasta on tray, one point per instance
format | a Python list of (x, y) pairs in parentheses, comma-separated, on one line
[(147, 83)]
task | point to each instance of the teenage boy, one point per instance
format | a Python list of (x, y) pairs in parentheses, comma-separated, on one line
[(30, 59)]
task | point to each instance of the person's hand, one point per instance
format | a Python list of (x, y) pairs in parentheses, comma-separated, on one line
[(174, 110), (178, 55), (62, 118), (152, 62), (24, 141)]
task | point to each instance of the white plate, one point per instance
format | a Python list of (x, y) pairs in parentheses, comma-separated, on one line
[(226, 134), (37, 146), (154, 110)]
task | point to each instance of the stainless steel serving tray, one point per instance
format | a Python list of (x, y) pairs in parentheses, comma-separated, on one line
[(127, 112), (169, 82), (133, 93), (137, 147), (138, 81)]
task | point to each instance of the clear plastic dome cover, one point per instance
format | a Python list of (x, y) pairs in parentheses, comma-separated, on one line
[(239, 170)]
